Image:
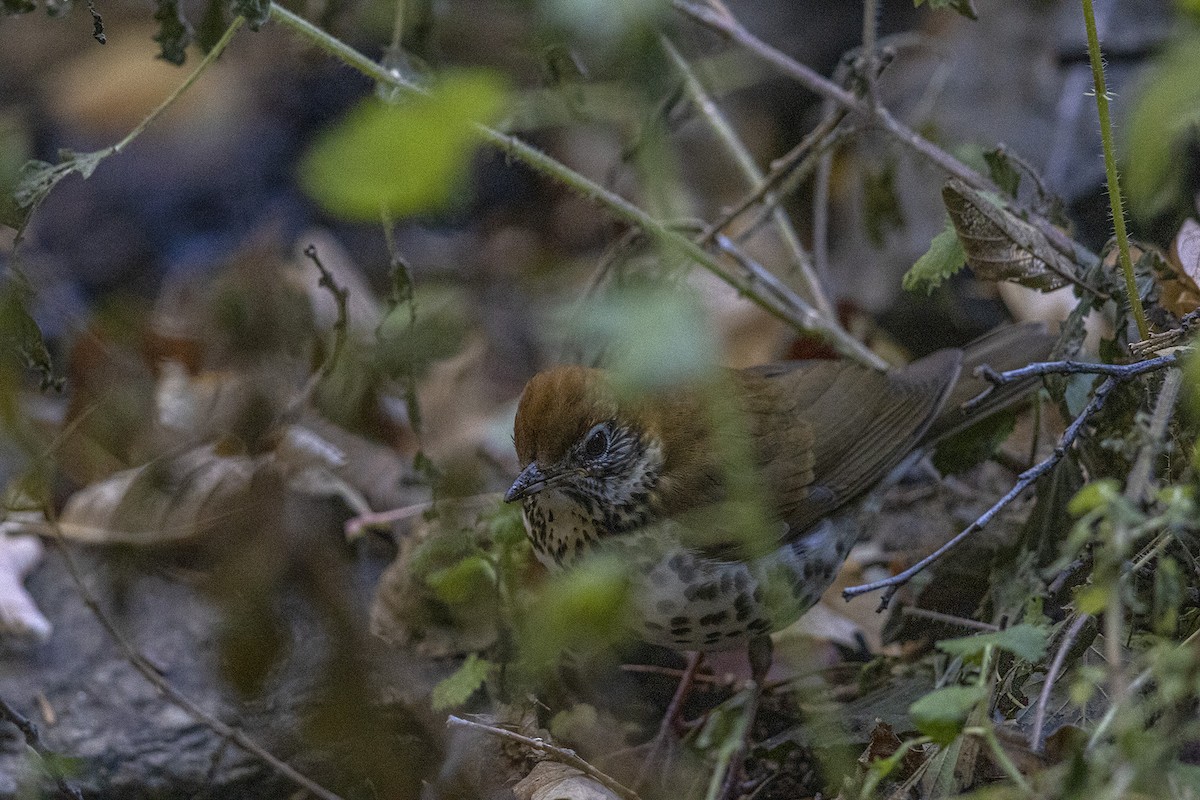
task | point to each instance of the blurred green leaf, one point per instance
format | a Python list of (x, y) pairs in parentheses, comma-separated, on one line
[(409, 344), (944, 258), (21, 344), (1093, 496), (653, 336), (586, 608), (1167, 109), (941, 714), (1024, 641), (605, 20), (407, 158), (463, 581), (458, 688)]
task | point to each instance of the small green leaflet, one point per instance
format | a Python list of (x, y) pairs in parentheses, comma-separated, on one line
[(458, 688), (941, 714), (944, 258), (1024, 641), (406, 158)]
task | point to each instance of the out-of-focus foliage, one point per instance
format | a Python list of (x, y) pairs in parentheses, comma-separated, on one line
[(405, 158)]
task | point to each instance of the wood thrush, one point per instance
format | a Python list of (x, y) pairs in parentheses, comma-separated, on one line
[(645, 478)]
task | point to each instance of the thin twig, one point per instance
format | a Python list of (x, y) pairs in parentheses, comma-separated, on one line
[(1024, 481), (1036, 740), (1171, 338), (810, 287), (140, 663), (560, 754), (615, 204), (948, 619), (33, 740), (341, 296), (1122, 372), (728, 26)]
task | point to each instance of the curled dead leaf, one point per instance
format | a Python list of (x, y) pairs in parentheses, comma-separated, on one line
[(1001, 247)]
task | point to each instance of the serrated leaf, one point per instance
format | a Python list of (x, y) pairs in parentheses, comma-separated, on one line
[(408, 158), (941, 714), (1024, 641), (174, 31), (458, 688), (944, 258)]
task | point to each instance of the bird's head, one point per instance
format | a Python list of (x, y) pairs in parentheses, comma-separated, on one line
[(575, 435)]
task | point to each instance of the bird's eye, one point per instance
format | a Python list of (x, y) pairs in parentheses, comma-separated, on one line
[(596, 444)]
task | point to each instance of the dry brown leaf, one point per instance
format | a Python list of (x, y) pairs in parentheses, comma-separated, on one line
[(1001, 247), (179, 498), (1180, 292), (550, 780)]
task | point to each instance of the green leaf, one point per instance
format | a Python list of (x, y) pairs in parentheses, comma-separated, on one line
[(1093, 496), (407, 158), (944, 258), (1024, 641), (174, 31), (458, 688), (1167, 108), (21, 343), (409, 345), (1002, 171), (963, 7), (653, 336), (965, 449), (941, 714), (460, 582)]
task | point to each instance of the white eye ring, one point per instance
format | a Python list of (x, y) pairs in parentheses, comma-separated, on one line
[(597, 441)]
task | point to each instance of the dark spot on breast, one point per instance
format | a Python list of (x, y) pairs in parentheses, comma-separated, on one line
[(677, 621), (759, 625), (741, 607), (716, 618), (702, 591), (712, 638)]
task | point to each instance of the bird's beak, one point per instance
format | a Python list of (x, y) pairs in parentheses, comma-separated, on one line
[(531, 481)]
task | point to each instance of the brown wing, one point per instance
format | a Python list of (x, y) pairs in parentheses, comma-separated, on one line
[(855, 423)]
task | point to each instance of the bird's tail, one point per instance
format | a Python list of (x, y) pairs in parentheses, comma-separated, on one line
[(1005, 348)]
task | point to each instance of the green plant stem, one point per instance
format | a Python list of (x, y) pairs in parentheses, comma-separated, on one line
[(1110, 169), (208, 59), (1002, 760), (797, 314)]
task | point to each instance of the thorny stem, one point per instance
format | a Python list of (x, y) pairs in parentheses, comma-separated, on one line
[(616, 205), (1110, 170), (559, 754), (811, 287)]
